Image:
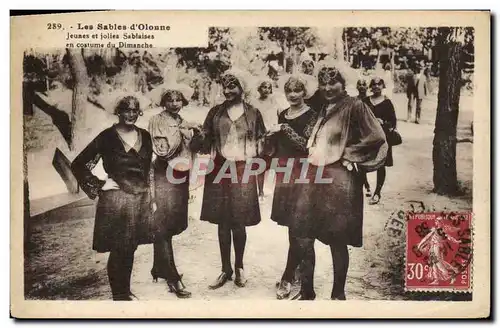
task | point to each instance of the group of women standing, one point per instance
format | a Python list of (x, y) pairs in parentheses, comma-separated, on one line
[(336, 141)]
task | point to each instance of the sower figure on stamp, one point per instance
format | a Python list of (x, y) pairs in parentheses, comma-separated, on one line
[(289, 138), (416, 90), (171, 136), (233, 132), (123, 209), (346, 136), (434, 245)]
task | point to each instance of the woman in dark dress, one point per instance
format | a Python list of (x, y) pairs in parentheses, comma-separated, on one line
[(362, 87), (290, 140), (122, 215), (171, 136), (383, 109), (233, 132), (345, 138)]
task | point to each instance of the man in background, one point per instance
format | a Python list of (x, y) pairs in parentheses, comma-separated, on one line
[(416, 89)]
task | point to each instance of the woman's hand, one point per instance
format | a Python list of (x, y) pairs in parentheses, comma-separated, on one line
[(189, 125), (274, 128), (161, 144), (110, 185), (186, 133), (348, 165)]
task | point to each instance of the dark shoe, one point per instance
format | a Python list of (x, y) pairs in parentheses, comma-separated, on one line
[(123, 297), (240, 279), (304, 297), (339, 297), (375, 199), (133, 297), (179, 289), (221, 280), (155, 276), (284, 289)]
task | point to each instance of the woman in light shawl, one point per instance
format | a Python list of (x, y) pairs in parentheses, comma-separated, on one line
[(171, 136), (346, 138)]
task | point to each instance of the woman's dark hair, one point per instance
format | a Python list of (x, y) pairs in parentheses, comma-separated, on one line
[(170, 95), (126, 103), (377, 80)]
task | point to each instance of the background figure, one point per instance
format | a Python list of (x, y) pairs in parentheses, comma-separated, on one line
[(171, 137), (307, 67), (383, 109), (122, 213), (362, 87), (388, 80), (416, 89), (270, 108)]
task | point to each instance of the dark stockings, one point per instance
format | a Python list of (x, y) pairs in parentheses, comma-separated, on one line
[(239, 240), (340, 257), (239, 236), (364, 177), (225, 247), (380, 180), (164, 262), (120, 263), (260, 183), (306, 250), (293, 259)]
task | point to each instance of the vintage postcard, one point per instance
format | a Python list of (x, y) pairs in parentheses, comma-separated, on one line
[(260, 164)]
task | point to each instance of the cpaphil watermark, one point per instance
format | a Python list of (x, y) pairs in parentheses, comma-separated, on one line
[(202, 166)]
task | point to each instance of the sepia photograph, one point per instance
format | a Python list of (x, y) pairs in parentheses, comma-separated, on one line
[(277, 163)]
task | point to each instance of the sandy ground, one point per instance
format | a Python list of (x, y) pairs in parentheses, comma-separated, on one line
[(61, 265)]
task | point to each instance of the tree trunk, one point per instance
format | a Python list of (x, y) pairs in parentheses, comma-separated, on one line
[(445, 132), (27, 216), (80, 91), (339, 44)]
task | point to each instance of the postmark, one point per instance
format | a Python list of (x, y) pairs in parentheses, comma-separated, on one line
[(439, 252)]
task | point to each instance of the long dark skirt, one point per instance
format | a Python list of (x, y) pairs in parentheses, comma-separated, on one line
[(330, 212), (227, 202), (171, 216), (122, 221), (286, 192)]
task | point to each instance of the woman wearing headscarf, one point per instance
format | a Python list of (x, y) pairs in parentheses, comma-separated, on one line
[(269, 108), (233, 132), (346, 137), (171, 136), (290, 140), (122, 214), (307, 67), (383, 109)]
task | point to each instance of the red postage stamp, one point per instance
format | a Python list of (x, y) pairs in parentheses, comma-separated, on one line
[(438, 252)]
